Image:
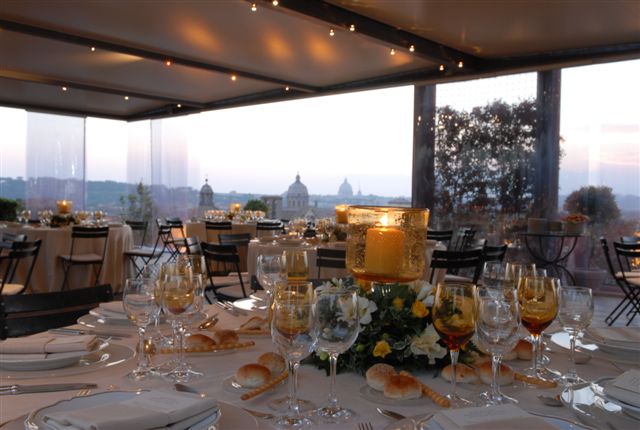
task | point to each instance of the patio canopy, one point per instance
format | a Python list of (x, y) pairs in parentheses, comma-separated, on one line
[(141, 59)]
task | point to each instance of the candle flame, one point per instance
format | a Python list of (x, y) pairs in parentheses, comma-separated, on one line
[(384, 220)]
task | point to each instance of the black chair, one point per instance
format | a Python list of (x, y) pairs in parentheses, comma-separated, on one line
[(22, 254), (451, 261), (25, 314), (143, 255), (630, 239), (9, 238), (463, 238), (214, 228), (169, 244), (330, 257), (268, 228), (628, 284), (139, 228), (493, 252), (81, 234), (192, 246), (222, 261), (241, 242), (443, 236)]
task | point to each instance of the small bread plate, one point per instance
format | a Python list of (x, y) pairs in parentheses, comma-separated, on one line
[(52, 361), (584, 346), (378, 397)]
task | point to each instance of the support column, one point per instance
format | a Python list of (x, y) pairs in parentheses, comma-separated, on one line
[(547, 159), (424, 145)]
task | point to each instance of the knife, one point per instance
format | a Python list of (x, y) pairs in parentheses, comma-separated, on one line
[(44, 388), (73, 331)]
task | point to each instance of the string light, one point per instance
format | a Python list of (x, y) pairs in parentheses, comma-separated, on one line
[(178, 105), (352, 27), (234, 78), (412, 48), (275, 2), (64, 88), (460, 64), (286, 88), (441, 68), (168, 63), (93, 49), (254, 7), (126, 97), (392, 52), (332, 32)]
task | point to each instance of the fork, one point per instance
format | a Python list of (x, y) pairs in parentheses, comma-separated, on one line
[(83, 393), (365, 426)]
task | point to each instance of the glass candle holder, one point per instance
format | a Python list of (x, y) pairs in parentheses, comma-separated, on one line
[(64, 206), (341, 214), (386, 244)]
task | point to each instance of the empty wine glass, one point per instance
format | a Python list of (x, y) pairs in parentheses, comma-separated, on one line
[(454, 318), (495, 274), (270, 269), (337, 324), (293, 333), (141, 307), (575, 310), (497, 331)]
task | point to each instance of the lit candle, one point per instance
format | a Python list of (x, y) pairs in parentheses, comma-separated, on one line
[(64, 206), (384, 250), (341, 214)]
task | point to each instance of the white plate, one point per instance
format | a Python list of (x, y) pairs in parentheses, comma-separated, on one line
[(59, 360), (562, 340), (632, 410), (612, 344), (110, 318), (250, 304), (111, 355), (378, 397), (409, 423)]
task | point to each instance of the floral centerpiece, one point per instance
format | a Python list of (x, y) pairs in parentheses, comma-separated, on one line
[(575, 223), (395, 328)]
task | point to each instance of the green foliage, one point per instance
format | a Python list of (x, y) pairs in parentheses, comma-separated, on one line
[(256, 205), (598, 203), (484, 158), (140, 204), (8, 208)]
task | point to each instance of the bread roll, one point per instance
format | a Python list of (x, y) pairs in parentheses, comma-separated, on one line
[(252, 375), (226, 336), (505, 374), (523, 350), (272, 361), (199, 341), (402, 387), (464, 374), (377, 375)]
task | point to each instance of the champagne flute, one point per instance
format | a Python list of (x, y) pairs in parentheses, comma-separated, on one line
[(297, 264), (293, 333), (337, 324), (538, 301), (575, 310), (141, 307), (454, 315), (270, 269), (497, 331)]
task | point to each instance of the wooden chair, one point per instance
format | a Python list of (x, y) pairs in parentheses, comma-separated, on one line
[(628, 284), (330, 257), (454, 260), (21, 252), (222, 261), (25, 314), (84, 234)]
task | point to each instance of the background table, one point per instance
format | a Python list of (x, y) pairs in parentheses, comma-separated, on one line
[(198, 229), (48, 272)]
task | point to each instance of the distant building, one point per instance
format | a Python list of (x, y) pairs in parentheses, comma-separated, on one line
[(296, 200), (400, 202), (275, 206), (345, 189), (205, 202)]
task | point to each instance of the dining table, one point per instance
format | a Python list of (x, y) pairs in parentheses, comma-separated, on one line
[(313, 384), (48, 272), (198, 229)]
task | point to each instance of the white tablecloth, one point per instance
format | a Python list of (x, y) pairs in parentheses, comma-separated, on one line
[(198, 229), (313, 384), (48, 273)]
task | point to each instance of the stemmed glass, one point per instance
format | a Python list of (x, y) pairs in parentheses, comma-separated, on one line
[(337, 324), (495, 274), (497, 331), (454, 318), (538, 301), (182, 297), (270, 269), (141, 307), (292, 330), (575, 310), (297, 264)]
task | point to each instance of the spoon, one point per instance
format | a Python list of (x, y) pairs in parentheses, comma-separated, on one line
[(390, 414), (209, 322)]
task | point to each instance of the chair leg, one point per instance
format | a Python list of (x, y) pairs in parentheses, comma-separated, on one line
[(65, 281)]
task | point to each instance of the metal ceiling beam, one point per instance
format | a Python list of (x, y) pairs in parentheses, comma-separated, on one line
[(145, 53), (59, 111), (339, 17)]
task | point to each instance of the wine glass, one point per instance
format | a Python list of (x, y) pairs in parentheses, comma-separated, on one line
[(293, 333), (182, 297), (141, 307), (297, 264), (538, 301), (575, 310), (495, 274), (497, 331), (454, 315), (270, 269), (337, 324)]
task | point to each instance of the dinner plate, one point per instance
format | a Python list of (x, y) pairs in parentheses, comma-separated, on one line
[(378, 397), (113, 354), (612, 344), (625, 357), (430, 424), (629, 409), (588, 403), (59, 360), (250, 304)]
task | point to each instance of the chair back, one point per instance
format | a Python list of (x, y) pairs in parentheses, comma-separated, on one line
[(192, 246), (464, 237), (494, 252), (26, 252), (217, 225), (12, 237), (237, 239), (139, 228), (630, 239), (89, 233), (220, 261), (32, 313), (330, 257), (454, 260), (440, 235), (628, 255), (268, 228)]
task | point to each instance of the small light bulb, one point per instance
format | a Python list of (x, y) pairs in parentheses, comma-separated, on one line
[(254, 7), (234, 77), (93, 49), (64, 88), (286, 88), (352, 27), (126, 97), (412, 48), (168, 63), (275, 2), (460, 64), (331, 32), (441, 68), (179, 105), (392, 52)]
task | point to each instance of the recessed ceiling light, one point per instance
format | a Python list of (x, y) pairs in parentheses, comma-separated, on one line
[(234, 77), (332, 32), (168, 63), (254, 7), (64, 88), (352, 27), (126, 97), (392, 52)]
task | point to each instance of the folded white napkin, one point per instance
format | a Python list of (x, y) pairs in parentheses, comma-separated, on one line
[(502, 417), (615, 335), (148, 410), (625, 387), (48, 344), (114, 308)]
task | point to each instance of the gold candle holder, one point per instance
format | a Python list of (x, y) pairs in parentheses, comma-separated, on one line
[(64, 206), (386, 244)]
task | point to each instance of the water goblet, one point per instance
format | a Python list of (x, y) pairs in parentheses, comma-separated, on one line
[(495, 274), (297, 264), (292, 330), (454, 315), (141, 308), (270, 269), (337, 324), (497, 331), (575, 310)]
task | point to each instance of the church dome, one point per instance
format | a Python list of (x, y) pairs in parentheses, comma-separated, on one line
[(297, 195), (345, 189), (206, 195)]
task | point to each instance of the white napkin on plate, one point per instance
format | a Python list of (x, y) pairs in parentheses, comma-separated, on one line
[(43, 344), (625, 387), (501, 417), (615, 335), (148, 410)]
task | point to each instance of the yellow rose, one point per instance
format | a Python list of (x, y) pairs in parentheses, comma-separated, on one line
[(382, 349), (419, 310), (398, 303)]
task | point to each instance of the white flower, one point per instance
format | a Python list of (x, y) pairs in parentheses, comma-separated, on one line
[(427, 344), (366, 307), (424, 292)]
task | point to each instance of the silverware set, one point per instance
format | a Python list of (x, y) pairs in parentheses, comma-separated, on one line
[(228, 306), (44, 388)]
